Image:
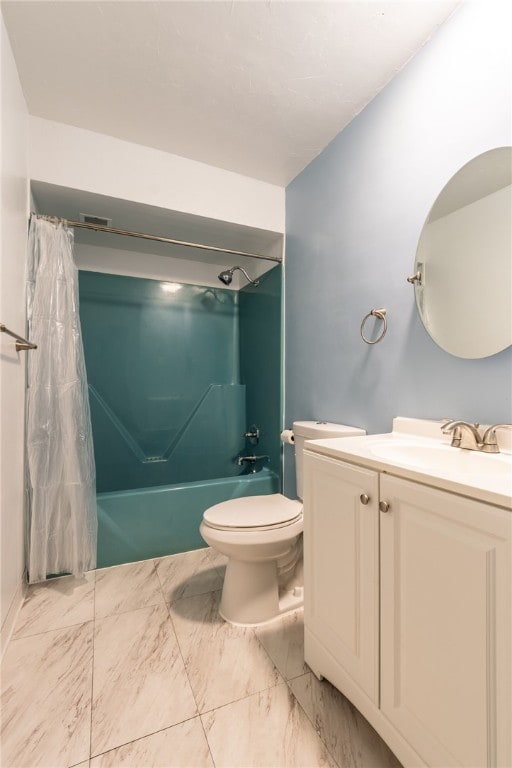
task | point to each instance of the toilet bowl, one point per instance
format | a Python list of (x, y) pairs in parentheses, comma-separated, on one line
[(262, 538)]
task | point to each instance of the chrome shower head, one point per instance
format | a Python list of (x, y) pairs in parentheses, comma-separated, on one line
[(226, 276)]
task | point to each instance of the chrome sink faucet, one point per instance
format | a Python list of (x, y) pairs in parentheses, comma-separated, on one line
[(464, 435), (490, 443)]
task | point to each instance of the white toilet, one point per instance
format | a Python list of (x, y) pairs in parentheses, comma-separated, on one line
[(262, 538)]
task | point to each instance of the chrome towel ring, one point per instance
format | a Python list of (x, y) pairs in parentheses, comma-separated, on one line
[(381, 314)]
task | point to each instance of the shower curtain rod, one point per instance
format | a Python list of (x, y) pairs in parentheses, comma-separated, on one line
[(158, 238)]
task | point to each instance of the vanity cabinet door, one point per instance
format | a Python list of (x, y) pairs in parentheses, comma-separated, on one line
[(445, 624), (341, 557)]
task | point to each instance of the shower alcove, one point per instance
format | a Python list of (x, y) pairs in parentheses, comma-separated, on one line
[(179, 366)]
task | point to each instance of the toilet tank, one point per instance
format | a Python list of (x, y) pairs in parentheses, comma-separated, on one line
[(316, 430)]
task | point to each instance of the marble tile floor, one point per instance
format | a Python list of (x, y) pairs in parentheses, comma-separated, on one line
[(132, 666)]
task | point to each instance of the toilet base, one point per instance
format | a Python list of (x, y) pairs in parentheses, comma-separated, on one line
[(251, 596)]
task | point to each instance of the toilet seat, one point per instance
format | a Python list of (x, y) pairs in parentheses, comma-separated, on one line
[(262, 513)]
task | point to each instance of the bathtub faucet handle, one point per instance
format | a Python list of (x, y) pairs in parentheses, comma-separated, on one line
[(253, 434)]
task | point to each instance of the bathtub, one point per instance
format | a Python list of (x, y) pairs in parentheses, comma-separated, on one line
[(164, 520)]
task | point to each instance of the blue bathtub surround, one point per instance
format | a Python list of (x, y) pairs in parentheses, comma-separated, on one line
[(153, 522), (260, 310), (163, 367), (177, 373)]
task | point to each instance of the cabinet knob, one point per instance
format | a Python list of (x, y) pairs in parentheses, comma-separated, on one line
[(383, 506), (364, 498)]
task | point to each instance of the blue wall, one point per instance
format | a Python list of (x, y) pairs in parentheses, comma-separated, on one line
[(353, 219)]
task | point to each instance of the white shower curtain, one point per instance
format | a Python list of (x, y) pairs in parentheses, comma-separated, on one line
[(62, 523)]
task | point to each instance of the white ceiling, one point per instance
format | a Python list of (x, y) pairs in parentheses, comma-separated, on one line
[(259, 88)]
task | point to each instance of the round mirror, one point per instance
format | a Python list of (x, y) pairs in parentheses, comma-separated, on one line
[(463, 267)]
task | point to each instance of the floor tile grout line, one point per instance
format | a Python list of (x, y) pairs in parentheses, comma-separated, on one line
[(129, 610), (310, 720), (255, 635), (207, 740), (188, 597), (46, 631), (169, 617), (191, 576), (287, 681), (268, 654), (145, 607), (281, 679), (188, 677), (138, 562), (32, 587), (301, 674), (181, 656), (115, 613), (242, 698), (168, 606), (146, 736), (119, 612), (200, 714), (182, 597), (285, 678)]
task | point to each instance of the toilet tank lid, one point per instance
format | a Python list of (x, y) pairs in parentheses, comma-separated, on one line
[(316, 430)]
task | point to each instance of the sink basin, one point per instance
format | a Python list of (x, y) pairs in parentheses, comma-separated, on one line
[(444, 459), (416, 450)]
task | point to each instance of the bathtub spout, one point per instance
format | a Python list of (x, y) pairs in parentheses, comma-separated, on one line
[(251, 461)]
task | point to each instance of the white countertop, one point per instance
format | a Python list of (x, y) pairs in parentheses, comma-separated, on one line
[(474, 480)]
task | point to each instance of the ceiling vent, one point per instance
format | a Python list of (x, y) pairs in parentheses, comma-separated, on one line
[(101, 221)]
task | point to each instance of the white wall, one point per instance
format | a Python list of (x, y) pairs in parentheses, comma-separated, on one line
[(116, 261), (14, 210), (79, 159)]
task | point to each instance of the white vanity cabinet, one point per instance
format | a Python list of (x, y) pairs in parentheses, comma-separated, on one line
[(341, 558), (445, 629), (432, 674)]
